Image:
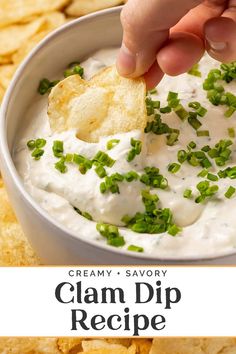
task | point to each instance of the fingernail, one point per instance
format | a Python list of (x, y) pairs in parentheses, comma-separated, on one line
[(217, 46), (126, 61)]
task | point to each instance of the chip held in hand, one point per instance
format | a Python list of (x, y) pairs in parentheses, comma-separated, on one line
[(107, 104)]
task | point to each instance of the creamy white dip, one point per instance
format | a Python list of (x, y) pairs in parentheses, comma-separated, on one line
[(208, 229)]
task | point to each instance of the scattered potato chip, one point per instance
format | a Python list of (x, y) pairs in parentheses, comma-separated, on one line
[(194, 346), (15, 11), (103, 347), (126, 342), (69, 345), (15, 249), (28, 346), (84, 7), (6, 73), (105, 105), (2, 92), (143, 346), (12, 37), (53, 20), (5, 59)]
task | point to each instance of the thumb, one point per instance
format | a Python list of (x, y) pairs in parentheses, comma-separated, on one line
[(146, 27)]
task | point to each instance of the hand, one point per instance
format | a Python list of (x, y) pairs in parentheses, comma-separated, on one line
[(170, 36)]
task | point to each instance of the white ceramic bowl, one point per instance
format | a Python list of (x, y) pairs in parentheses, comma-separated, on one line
[(54, 243)]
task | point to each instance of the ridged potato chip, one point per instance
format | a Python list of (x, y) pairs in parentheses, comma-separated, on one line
[(52, 21), (12, 37), (6, 73), (194, 346), (15, 11), (105, 105), (69, 345), (102, 347), (28, 346), (84, 7)]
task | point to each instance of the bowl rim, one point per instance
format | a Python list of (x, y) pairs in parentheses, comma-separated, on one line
[(7, 159)]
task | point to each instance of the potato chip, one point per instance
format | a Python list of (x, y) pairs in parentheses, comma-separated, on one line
[(126, 342), (28, 346), (143, 346), (15, 249), (194, 346), (99, 344), (69, 345), (5, 59), (105, 105), (103, 347), (6, 73), (14, 11), (53, 20), (12, 37), (2, 92), (84, 7)]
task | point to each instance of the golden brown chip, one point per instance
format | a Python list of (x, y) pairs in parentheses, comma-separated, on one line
[(12, 37), (15, 249), (6, 73), (28, 346), (103, 347), (83, 7), (14, 11), (2, 92), (5, 59), (69, 345), (194, 346), (126, 342), (143, 346), (105, 105), (52, 21)]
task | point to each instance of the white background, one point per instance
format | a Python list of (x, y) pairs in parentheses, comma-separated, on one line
[(28, 306)]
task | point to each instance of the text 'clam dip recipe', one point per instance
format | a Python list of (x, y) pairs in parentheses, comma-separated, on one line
[(151, 172)]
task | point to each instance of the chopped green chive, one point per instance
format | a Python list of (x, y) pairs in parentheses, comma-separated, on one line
[(203, 173), (131, 176), (134, 248), (166, 109), (153, 178), (103, 159), (112, 143), (40, 143), (231, 132), (181, 112), (193, 121), (136, 149), (86, 215), (45, 86), (100, 171), (74, 69), (31, 144), (230, 192), (37, 153), (187, 193), (192, 145), (195, 71), (111, 233), (58, 148), (212, 177), (206, 191), (172, 138), (174, 167), (173, 230), (203, 133), (153, 91), (60, 165)]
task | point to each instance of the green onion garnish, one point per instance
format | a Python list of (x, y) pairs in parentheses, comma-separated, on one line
[(111, 233), (193, 121), (181, 112), (103, 159), (45, 86), (60, 165), (230, 192), (37, 153), (187, 193), (100, 171), (174, 167), (31, 144), (203, 133), (134, 248), (231, 132), (195, 71), (58, 148), (136, 149), (173, 230), (112, 143)]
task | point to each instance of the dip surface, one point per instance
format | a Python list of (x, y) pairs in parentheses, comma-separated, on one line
[(208, 228)]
